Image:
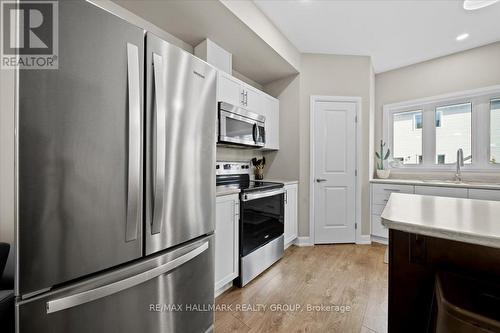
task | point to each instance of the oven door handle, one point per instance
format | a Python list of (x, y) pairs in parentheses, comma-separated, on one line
[(263, 194)]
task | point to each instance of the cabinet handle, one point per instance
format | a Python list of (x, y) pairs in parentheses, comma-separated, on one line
[(392, 190), (242, 97)]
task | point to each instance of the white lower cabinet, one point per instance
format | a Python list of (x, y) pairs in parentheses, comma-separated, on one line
[(439, 191), (291, 221), (226, 241), (481, 194), (380, 194)]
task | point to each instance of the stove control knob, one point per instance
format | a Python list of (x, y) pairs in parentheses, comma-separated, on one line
[(227, 166), (217, 167)]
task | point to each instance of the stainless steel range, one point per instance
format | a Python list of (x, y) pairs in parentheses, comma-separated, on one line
[(261, 218)]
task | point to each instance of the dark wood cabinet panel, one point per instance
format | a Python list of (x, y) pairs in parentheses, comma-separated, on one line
[(414, 261)]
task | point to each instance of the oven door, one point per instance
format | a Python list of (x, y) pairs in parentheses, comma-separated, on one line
[(261, 219)]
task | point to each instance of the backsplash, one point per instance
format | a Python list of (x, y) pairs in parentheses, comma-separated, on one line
[(235, 154)]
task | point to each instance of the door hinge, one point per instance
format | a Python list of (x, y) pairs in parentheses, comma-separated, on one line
[(356, 172), (355, 119), (355, 226)]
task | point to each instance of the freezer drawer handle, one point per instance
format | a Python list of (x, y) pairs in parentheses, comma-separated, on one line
[(134, 143), (113, 288), (159, 174)]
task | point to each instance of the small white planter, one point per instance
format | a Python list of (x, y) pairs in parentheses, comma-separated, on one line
[(384, 174)]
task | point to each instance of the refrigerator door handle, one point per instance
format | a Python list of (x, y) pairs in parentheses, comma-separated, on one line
[(115, 287), (160, 120), (134, 143)]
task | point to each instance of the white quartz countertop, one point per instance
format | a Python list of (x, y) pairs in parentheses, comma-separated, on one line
[(284, 181), (463, 220), (441, 183), (226, 190)]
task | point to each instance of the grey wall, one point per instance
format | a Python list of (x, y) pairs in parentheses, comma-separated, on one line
[(336, 76), (475, 68)]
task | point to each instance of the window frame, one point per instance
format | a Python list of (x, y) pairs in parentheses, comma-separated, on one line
[(480, 130)]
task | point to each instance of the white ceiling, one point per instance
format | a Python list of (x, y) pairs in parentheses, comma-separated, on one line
[(395, 33), (194, 20)]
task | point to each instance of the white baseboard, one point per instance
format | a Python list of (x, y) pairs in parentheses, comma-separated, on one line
[(364, 239), (380, 240), (303, 241)]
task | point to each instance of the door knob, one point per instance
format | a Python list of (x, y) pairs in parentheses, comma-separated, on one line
[(320, 180)]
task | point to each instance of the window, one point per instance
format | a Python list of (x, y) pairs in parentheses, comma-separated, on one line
[(417, 120), (495, 131), (454, 132), (407, 129), (439, 116), (426, 133)]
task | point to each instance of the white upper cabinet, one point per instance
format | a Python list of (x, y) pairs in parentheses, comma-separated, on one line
[(272, 113), (235, 92), (214, 55), (253, 99), (229, 89)]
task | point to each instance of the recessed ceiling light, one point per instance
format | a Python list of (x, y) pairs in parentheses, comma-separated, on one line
[(462, 37), (477, 4)]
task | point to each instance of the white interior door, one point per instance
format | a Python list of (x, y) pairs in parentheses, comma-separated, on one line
[(334, 154)]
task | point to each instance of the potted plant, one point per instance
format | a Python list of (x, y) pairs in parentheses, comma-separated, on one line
[(381, 157)]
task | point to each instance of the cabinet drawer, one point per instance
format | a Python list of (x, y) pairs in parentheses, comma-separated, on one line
[(377, 228), (377, 209), (442, 191), (484, 194), (381, 192)]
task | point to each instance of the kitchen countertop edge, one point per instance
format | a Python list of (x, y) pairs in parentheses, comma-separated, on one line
[(427, 228), (283, 181)]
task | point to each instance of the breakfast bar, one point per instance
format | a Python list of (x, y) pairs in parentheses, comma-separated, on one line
[(430, 236)]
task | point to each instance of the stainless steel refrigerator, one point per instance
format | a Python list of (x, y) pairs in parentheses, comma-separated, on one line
[(115, 193)]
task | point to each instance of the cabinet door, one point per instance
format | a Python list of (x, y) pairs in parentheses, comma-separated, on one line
[(442, 191), (378, 229), (484, 194), (226, 240), (272, 113), (291, 227), (254, 99), (228, 90)]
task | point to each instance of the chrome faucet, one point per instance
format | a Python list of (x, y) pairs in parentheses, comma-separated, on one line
[(460, 163)]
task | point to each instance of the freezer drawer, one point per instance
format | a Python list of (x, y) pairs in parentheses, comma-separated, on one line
[(172, 292)]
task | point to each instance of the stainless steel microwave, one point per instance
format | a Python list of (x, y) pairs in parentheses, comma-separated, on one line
[(240, 127)]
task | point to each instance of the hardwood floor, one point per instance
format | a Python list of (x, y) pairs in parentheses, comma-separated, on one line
[(349, 275)]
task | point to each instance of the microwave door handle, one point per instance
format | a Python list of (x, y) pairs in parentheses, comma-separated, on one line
[(254, 132), (159, 160), (134, 144)]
